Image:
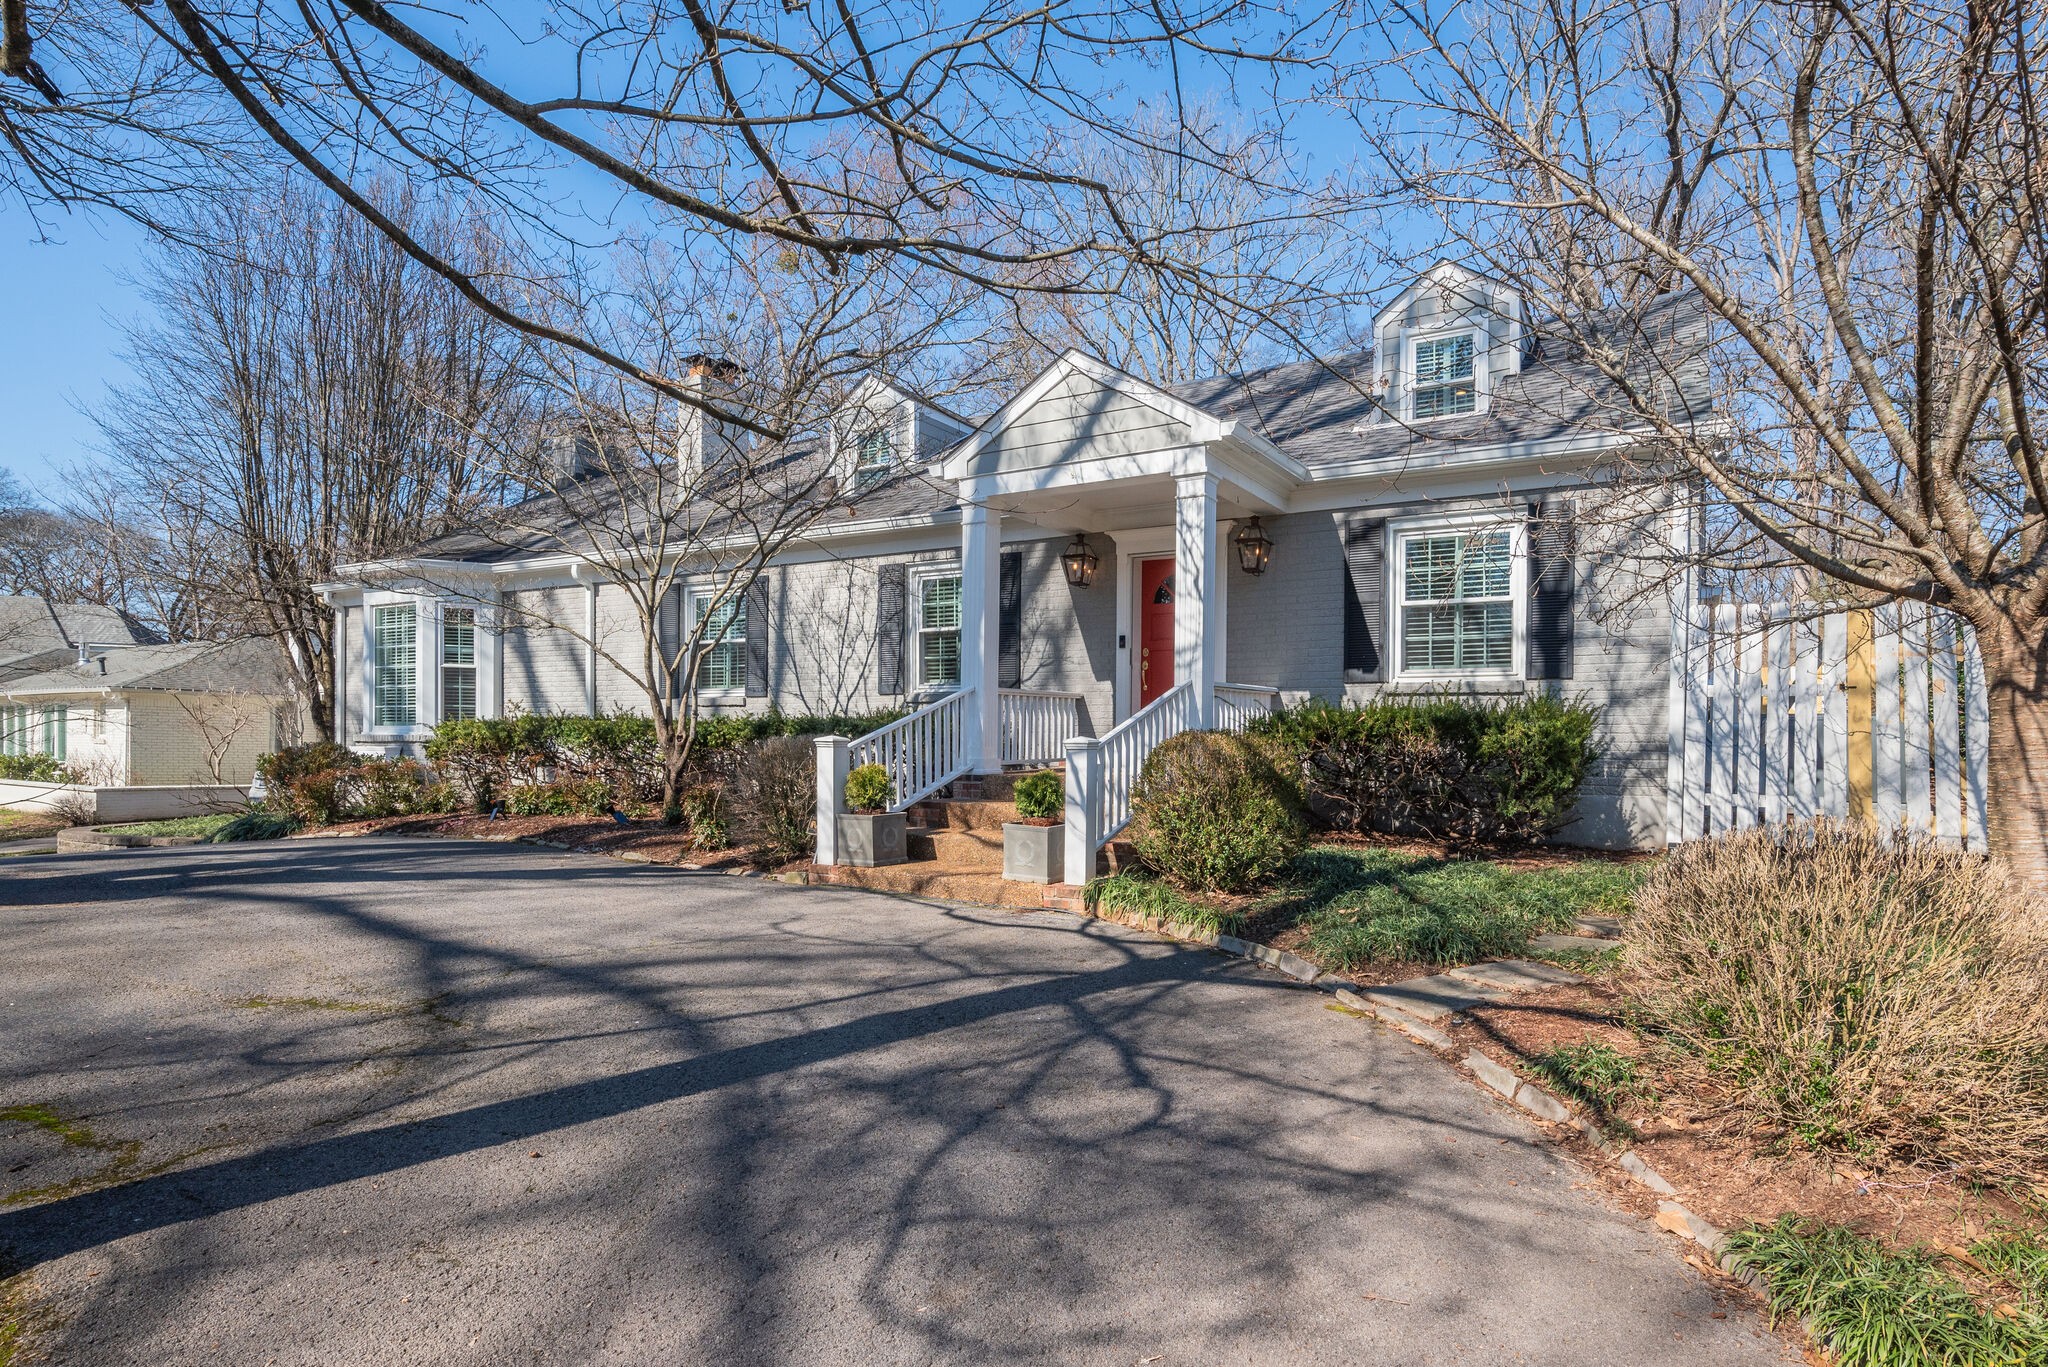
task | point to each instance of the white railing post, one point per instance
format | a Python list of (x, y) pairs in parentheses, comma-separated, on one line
[(831, 795), (1084, 807)]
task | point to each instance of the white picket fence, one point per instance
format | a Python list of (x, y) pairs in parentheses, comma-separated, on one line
[(1760, 721)]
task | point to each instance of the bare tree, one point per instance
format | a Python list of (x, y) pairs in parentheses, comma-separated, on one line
[(667, 515), (312, 399), (1253, 265), (962, 139), (1856, 197)]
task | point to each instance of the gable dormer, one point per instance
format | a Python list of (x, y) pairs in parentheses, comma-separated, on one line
[(881, 431), (1445, 343)]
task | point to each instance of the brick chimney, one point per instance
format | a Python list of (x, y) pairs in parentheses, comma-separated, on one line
[(707, 443)]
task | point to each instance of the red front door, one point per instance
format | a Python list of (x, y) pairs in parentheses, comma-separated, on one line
[(1155, 628)]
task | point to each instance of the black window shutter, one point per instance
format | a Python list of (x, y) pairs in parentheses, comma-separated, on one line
[(669, 636), (889, 594), (1010, 592), (1553, 578), (757, 639), (1365, 600)]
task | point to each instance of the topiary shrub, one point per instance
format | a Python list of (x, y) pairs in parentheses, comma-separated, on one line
[(774, 793), (1041, 796), (870, 789), (1214, 812), (1501, 773), (1854, 991)]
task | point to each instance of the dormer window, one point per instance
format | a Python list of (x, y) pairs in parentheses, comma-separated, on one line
[(1443, 376), (874, 457)]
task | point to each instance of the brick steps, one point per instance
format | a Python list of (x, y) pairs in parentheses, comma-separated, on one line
[(925, 878)]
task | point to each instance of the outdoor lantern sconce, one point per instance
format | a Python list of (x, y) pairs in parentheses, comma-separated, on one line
[(1254, 548), (1080, 562)]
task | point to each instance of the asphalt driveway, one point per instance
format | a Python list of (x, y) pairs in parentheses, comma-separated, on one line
[(406, 1101)]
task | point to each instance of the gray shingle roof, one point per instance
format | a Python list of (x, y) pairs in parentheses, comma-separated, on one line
[(1321, 412), (249, 667), (31, 628)]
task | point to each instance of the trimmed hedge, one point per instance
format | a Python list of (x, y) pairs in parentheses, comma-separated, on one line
[(1504, 773), (37, 768)]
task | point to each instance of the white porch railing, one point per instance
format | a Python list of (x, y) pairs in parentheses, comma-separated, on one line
[(1037, 725), (923, 752), (1238, 705), (1101, 774)]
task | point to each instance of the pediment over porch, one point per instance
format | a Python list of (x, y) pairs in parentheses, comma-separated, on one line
[(1083, 422)]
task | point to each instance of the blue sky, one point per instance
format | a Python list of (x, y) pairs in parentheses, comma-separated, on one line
[(58, 343)]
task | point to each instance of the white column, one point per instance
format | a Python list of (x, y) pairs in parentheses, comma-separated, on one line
[(1196, 622), (1084, 808), (831, 795), (981, 630)]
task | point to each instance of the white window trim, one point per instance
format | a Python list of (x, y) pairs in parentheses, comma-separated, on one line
[(1401, 530), (427, 661), (913, 649), (1481, 369), (693, 594)]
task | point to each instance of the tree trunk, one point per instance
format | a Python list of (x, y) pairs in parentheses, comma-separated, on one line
[(2016, 788)]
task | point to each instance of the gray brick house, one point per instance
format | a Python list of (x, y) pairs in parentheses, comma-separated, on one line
[(1405, 518)]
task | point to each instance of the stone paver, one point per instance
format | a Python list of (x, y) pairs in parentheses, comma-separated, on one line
[(1434, 997), (410, 1101), (1552, 944), (1515, 975)]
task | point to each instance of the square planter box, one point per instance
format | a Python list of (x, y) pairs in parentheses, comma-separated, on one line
[(870, 840), (1034, 854)]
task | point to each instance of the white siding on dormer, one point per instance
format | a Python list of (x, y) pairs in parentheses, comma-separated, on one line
[(1447, 301)]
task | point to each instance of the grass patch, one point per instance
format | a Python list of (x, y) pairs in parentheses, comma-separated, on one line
[(1137, 894), (44, 1118), (1379, 906), (1597, 1075), (1871, 1306), (29, 825), (204, 825)]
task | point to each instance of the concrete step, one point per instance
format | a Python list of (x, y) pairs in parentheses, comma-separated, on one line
[(1552, 944), (963, 814), (1434, 997), (929, 879)]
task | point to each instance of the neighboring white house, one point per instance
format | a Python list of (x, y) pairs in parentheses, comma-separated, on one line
[(1103, 561), (131, 714)]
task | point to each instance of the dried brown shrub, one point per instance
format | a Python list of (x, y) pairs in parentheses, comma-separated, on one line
[(1855, 991)]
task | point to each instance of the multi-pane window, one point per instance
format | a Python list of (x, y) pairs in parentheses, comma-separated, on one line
[(396, 694), (874, 454), (1457, 602), (458, 664), (1443, 376), (938, 630), (56, 729), (722, 662)]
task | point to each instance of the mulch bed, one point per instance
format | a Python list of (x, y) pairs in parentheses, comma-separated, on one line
[(1728, 1176), (645, 841)]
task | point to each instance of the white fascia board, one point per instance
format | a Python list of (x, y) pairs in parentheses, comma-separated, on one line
[(1169, 461), (1461, 457)]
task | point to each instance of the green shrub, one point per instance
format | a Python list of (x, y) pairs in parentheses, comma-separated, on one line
[(1214, 812), (1499, 772), (36, 769), (1851, 990), (1871, 1306), (585, 797), (255, 824), (281, 768), (701, 810), (774, 793), (1041, 796), (869, 788), (390, 787), (318, 798)]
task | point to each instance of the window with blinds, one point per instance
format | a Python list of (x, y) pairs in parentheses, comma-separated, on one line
[(938, 630), (458, 664), (1443, 377), (1457, 603), (395, 696), (722, 664)]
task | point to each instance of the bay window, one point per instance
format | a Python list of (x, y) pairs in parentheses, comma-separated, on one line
[(395, 653), (458, 664)]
